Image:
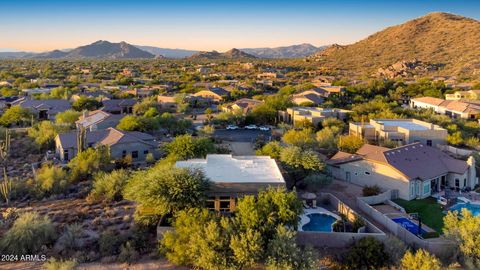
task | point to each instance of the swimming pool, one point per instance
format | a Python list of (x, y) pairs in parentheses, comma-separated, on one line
[(409, 225), (474, 208), (319, 223)]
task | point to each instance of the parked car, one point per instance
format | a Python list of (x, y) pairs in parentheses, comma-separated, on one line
[(264, 128), (232, 127), (251, 127)]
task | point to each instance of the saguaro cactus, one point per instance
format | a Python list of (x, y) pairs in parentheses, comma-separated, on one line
[(6, 187), (81, 138)]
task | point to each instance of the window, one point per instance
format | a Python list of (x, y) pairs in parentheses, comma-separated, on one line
[(429, 142), (457, 182), (426, 187), (145, 152), (367, 173), (464, 182), (124, 153), (134, 154)]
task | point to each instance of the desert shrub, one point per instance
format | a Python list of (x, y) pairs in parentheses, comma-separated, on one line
[(150, 158), (284, 254), (89, 162), (357, 223), (420, 260), (70, 240), (366, 253), (28, 234), (128, 253), (395, 248), (108, 186), (54, 264), (371, 190), (109, 243), (51, 180)]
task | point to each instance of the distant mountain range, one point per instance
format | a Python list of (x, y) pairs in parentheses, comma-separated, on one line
[(294, 51), (448, 41), (231, 54), (107, 50)]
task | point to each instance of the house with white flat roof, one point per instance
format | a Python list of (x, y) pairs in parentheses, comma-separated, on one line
[(403, 131), (235, 176)]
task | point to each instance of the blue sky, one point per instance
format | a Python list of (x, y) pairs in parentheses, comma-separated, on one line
[(207, 25)]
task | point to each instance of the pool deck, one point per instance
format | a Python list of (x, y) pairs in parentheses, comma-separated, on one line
[(392, 213), (304, 219)]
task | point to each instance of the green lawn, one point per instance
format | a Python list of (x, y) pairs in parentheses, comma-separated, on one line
[(428, 209)]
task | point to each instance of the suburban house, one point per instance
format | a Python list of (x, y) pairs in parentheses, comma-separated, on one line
[(270, 75), (403, 131), (121, 143), (414, 170), (313, 96), (313, 114), (166, 101), (458, 95), (36, 91), (244, 105), (98, 95), (451, 108), (98, 119), (142, 92), (44, 109), (235, 176), (119, 106), (215, 94)]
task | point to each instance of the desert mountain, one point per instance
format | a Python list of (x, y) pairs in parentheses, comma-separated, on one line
[(106, 50), (231, 54), (168, 53), (441, 39), (294, 51)]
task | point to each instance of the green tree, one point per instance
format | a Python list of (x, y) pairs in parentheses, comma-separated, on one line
[(464, 229), (420, 260), (300, 163), (301, 138), (349, 143), (108, 186), (272, 149), (137, 123), (68, 118), (284, 254), (186, 147), (270, 209), (166, 189), (327, 137), (455, 138), (28, 234), (44, 133), (16, 115), (86, 103), (366, 253), (88, 162)]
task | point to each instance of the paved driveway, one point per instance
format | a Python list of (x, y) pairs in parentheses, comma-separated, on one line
[(240, 135)]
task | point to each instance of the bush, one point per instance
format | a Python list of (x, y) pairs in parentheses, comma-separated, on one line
[(51, 180), (420, 260), (89, 162), (366, 253), (349, 143), (108, 186), (395, 248), (70, 240), (128, 253), (28, 234), (54, 264), (109, 243), (371, 190)]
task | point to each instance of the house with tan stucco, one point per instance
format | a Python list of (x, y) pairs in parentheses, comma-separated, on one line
[(414, 170)]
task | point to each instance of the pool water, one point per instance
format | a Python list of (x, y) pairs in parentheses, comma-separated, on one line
[(409, 225), (474, 208), (319, 223)]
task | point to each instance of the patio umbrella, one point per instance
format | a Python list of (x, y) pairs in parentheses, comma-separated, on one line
[(309, 196)]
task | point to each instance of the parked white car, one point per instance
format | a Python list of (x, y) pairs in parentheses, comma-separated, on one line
[(264, 128), (251, 127), (232, 127)]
